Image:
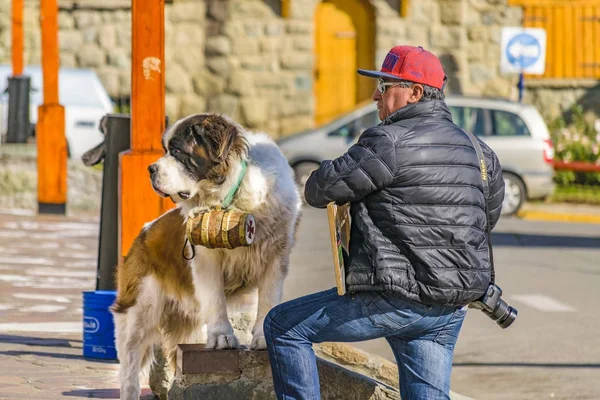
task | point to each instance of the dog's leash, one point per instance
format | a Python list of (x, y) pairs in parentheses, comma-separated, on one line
[(226, 203)]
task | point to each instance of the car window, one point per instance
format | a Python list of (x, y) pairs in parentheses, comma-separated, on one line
[(471, 119), (367, 121), (343, 131), (356, 127), (508, 124)]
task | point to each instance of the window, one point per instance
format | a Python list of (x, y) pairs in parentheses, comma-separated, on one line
[(346, 130), (366, 121), (508, 124), (471, 119), (399, 5), (280, 7), (355, 128), (274, 5)]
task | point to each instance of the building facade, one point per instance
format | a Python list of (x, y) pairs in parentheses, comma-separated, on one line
[(286, 65)]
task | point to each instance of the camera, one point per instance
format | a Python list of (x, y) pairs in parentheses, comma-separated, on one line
[(494, 307)]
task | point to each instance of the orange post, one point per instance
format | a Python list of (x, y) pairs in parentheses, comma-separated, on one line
[(50, 129), (17, 37), (138, 203)]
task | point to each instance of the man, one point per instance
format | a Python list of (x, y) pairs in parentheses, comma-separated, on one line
[(418, 248)]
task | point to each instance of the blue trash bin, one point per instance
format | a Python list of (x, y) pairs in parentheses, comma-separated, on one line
[(98, 325)]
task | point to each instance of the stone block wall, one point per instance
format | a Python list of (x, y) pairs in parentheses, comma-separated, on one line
[(466, 35), (259, 66), (240, 57)]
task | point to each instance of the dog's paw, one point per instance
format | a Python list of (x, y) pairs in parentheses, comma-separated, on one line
[(258, 342), (222, 342)]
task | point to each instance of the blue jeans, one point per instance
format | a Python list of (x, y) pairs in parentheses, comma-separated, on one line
[(422, 338)]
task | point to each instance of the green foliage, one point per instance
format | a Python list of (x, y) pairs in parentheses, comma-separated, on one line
[(575, 139), (582, 194)]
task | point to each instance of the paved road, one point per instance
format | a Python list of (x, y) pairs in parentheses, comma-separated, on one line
[(549, 271)]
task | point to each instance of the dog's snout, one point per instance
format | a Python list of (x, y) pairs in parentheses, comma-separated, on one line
[(153, 169)]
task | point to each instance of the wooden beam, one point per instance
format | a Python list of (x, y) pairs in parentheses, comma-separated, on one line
[(404, 7), (138, 203), (147, 75), (50, 129), (17, 37), (285, 8)]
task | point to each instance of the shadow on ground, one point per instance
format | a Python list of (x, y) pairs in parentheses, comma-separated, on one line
[(105, 394), (536, 240), (525, 365), (36, 341)]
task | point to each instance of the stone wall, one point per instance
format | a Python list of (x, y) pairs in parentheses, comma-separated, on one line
[(259, 66), (18, 182), (466, 35), (241, 58)]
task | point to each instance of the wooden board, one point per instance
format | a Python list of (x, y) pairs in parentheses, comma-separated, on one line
[(339, 233)]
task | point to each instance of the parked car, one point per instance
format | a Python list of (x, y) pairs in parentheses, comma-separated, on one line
[(516, 132), (80, 92)]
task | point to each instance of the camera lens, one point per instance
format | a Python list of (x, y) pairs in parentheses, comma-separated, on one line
[(503, 314), (508, 318)]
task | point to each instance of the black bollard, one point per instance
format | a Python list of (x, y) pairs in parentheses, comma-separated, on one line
[(117, 132), (19, 125), (117, 138)]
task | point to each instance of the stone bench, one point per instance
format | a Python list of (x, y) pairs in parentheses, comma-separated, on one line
[(345, 372), (246, 374)]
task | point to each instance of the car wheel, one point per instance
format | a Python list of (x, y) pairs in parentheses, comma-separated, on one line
[(514, 194), (302, 172)]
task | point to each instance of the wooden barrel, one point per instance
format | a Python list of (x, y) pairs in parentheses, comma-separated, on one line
[(221, 229)]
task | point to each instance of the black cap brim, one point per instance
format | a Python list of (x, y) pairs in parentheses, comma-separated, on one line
[(376, 74)]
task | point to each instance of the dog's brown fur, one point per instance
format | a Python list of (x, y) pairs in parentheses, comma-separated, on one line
[(156, 251)]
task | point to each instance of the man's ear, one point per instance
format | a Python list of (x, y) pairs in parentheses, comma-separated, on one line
[(416, 92)]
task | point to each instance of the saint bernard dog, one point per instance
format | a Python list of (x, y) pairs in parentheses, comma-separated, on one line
[(163, 299)]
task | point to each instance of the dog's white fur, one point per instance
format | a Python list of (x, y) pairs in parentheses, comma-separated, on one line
[(269, 192)]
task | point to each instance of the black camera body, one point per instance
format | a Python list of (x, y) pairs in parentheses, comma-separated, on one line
[(494, 307)]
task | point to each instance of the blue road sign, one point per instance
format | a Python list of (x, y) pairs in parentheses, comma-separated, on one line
[(523, 50)]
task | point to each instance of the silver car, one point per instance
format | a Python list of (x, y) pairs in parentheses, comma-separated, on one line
[(516, 132)]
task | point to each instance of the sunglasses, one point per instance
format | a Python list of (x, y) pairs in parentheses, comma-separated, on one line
[(383, 85)]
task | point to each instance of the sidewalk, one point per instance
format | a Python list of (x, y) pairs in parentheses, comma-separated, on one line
[(50, 366), (46, 262)]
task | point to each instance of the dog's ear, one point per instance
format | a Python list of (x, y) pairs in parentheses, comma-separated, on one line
[(217, 137)]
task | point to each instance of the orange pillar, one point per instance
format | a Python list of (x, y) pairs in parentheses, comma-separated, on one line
[(50, 129), (138, 203), (17, 37)]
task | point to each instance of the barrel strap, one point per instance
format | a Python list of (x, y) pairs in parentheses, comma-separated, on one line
[(183, 250)]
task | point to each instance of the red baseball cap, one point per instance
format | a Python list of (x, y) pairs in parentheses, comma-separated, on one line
[(413, 64)]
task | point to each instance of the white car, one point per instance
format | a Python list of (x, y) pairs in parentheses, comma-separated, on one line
[(80, 92)]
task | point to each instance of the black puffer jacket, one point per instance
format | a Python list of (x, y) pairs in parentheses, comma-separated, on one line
[(418, 210)]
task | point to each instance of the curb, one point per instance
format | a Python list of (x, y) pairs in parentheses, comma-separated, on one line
[(559, 217), (364, 363)]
